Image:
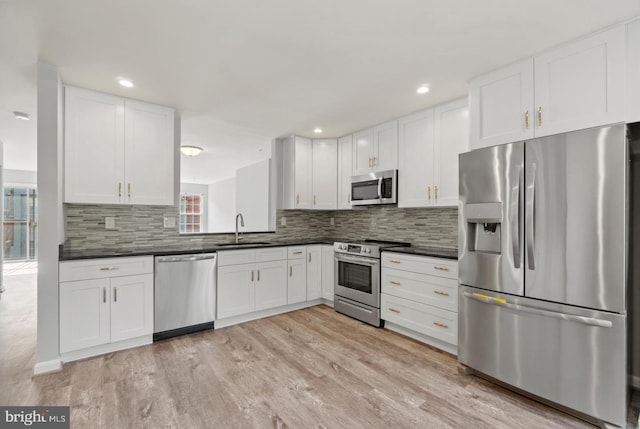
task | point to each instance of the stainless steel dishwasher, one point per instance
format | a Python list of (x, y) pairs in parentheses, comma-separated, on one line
[(185, 294)]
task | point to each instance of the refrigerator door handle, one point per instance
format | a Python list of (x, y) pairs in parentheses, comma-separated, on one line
[(515, 220), (529, 215), (537, 311)]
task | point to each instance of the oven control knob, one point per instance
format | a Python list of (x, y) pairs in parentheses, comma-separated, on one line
[(341, 247), (367, 250)]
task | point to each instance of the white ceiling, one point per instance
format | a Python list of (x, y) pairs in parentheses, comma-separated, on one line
[(245, 71)]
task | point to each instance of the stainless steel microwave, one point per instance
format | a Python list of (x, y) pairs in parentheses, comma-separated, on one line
[(379, 187)]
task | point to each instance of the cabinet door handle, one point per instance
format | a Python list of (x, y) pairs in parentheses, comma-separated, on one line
[(393, 261), (108, 268), (258, 275), (314, 200), (394, 310), (440, 325), (429, 193), (297, 198), (299, 252), (526, 119), (349, 197), (394, 283), (369, 162), (309, 257), (437, 292), (115, 294), (251, 275), (539, 115), (119, 189), (441, 268), (290, 271), (129, 190), (375, 161), (104, 294), (435, 188)]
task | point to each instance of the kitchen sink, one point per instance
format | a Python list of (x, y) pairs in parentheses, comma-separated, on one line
[(255, 243)]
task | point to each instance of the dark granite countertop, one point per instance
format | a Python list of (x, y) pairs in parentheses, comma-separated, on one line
[(67, 254), (435, 252)]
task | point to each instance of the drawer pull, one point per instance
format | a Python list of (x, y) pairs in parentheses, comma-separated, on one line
[(394, 283), (394, 310), (441, 268), (393, 261), (108, 268), (298, 253), (437, 292), (441, 325)]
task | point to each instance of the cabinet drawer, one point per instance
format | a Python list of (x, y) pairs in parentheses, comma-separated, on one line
[(425, 319), (104, 268), (271, 254), (421, 264), (236, 257), (431, 290), (297, 252)]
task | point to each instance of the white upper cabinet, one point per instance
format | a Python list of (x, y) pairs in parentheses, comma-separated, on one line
[(117, 151), (363, 152), (428, 148), (376, 149), (415, 156), (633, 71), (451, 134), (297, 155), (148, 153), (501, 104), (578, 85), (94, 147), (325, 174), (345, 171), (581, 85)]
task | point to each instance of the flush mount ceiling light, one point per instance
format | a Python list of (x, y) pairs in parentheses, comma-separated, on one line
[(422, 89), (22, 115), (190, 150), (126, 83), (317, 130)]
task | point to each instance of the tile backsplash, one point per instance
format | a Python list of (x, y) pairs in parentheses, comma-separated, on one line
[(141, 227)]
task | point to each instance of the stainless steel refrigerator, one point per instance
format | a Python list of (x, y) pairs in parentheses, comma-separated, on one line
[(542, 266)]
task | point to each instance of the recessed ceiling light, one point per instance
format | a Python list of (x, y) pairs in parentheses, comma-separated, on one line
[(126, 83), (22, 115), (423, 89), (190, 150), (317, 130)]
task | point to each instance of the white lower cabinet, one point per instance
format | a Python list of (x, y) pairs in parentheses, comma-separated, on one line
[(104, 302), (257, 283), (420, 298), (297, 281), (314, 272), (328, 275)]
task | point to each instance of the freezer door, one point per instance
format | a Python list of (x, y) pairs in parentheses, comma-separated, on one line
[(575, 218), (490, 218), (568, 355)]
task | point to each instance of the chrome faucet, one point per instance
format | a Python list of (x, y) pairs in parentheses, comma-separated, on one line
[(239, 215)]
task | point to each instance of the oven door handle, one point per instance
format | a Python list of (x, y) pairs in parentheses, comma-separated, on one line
[(357, 260), (380, 188)]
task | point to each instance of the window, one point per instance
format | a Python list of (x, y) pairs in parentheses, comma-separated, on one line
[(190, 213)]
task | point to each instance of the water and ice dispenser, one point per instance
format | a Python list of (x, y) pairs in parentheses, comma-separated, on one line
[(484, 221)]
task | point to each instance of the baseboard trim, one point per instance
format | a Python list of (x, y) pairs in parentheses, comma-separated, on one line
[(434, 342), (234, 320), (106, 348), (47, 367)]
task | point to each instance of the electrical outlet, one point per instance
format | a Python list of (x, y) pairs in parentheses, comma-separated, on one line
[(109, 222), (283, 221), (169, 222), (332, 221)]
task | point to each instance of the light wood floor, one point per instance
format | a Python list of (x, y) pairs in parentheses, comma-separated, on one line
[(312, 368)]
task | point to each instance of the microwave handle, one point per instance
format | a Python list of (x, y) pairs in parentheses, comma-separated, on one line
[(380, 188)]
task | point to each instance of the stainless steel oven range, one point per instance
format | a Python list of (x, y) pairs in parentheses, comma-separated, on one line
[(357, 279)]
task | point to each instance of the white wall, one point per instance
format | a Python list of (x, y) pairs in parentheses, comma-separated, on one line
[(222, 206), (20, 178), (195, 188), (50, 227)]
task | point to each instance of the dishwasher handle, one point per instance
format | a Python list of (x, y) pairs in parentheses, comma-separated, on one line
[(186, 258)]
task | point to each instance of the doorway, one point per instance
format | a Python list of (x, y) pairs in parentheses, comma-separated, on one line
[(20, 223)]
